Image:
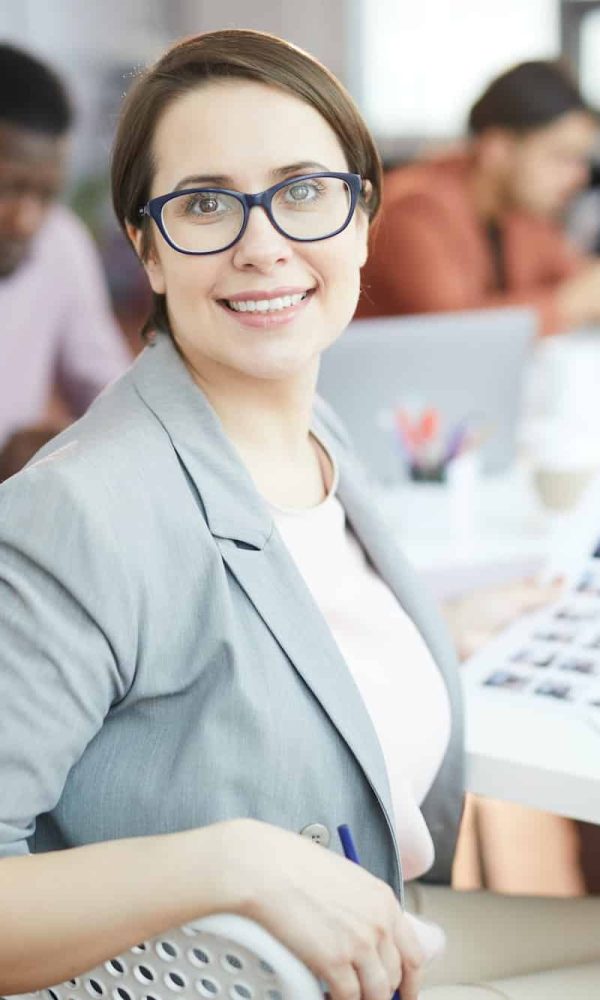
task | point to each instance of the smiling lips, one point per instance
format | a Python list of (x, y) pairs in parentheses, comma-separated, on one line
[(267, 308), (266, 305)]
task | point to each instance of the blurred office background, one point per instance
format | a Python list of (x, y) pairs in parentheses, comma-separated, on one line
[(414, 68)]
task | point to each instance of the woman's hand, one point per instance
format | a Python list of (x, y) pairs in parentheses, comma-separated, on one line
[(475, 619), (342, 922)]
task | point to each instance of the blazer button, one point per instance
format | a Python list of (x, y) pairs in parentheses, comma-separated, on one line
[(318, 833)]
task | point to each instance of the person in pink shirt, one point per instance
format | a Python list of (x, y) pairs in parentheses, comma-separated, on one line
[(56, 324)]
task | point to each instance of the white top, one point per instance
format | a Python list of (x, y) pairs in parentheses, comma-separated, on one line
[(400, 684)]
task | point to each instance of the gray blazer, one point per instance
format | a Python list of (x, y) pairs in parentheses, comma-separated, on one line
[(162, 662)]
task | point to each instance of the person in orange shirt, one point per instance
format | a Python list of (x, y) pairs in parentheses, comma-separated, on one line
[(483, 228)]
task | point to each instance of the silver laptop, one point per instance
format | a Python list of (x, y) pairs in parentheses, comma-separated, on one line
[(469, 366)]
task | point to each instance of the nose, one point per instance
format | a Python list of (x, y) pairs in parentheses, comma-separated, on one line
[(261, 246)]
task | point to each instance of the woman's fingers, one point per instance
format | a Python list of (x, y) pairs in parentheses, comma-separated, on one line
[(412, 979), (343, 983), (366, 970), (391, 960), (413, 957), (365, 963), (375, 983)]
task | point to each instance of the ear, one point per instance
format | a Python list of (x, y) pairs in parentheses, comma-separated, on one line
[(151, 264), (362, 224)]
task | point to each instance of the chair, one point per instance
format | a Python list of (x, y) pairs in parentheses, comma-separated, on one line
[(222, 956)]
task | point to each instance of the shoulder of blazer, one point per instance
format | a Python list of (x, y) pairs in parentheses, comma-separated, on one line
[(105, 469)]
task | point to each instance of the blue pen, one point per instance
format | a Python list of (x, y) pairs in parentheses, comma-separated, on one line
[(350, 852), (456, 439)]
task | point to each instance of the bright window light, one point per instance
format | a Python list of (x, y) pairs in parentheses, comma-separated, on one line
[(423, 63), (590, 64)]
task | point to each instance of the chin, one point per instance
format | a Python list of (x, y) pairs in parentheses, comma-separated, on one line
[(279, 368), (275, 372)]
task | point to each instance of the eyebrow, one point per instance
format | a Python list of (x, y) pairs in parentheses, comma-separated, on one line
[(224, 180)]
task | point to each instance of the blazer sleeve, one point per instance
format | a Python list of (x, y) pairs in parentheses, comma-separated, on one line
[(67, 641)]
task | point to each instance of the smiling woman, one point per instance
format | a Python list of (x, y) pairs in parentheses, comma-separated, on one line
[(208, 641), (272, 71)]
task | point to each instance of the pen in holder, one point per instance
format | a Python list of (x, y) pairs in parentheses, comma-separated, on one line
[(351, 853), (428, 449), (445, 465)]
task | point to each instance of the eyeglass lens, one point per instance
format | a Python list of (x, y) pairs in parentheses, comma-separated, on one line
[(304, 209)]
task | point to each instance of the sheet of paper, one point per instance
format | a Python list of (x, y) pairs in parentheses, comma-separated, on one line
[(552, 655)]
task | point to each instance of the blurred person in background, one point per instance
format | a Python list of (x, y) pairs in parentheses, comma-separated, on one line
[(484, 228), (57, 326)]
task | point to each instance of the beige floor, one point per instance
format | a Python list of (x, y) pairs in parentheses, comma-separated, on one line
[(533, 937), (578, 983), (511, 944)]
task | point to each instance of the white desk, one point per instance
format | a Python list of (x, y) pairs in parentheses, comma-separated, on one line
[(508, 535), (537, 756)]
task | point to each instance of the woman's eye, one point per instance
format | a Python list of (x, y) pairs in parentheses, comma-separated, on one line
[(303, 192), (205, 205)]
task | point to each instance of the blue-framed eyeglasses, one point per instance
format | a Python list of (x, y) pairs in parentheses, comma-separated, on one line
[(308, 208)]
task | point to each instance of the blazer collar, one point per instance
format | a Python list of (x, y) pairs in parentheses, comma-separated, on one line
[(233, 507)]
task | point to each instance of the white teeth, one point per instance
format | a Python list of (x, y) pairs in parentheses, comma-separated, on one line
[(267, 305)]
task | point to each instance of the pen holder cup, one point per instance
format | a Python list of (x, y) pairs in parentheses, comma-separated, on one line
[(442, 502), (222, 956)]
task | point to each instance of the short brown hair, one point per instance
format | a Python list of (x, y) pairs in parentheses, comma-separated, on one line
[(231, 54), (528, 96)]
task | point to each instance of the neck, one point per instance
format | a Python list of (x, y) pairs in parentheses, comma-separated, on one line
[(487, 194), (268, 422)]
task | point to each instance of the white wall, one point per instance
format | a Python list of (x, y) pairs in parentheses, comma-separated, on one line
[(426, 61)]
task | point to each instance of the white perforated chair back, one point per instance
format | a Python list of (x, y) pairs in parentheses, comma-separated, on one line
[(221, 957)]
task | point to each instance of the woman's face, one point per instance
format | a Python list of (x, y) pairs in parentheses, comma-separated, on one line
[(251, 136)]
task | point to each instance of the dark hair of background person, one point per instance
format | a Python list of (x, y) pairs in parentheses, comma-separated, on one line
[(526, 97), (31, 94), (228, 54), (22, 446)]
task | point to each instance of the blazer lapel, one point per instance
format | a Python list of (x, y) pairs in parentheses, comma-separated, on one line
[(272, 582), (243, 528)]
